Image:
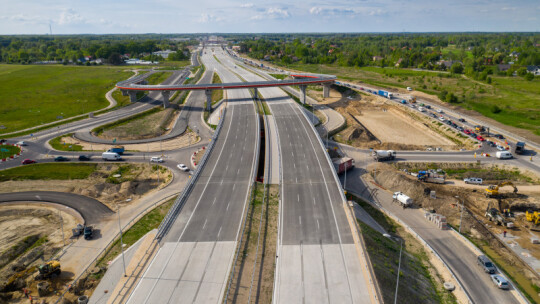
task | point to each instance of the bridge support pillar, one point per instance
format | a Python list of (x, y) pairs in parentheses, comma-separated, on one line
[(124, 92), (255, 93), (132, 96), (326, 90), (303, 93), (166, 95), (208, 100)]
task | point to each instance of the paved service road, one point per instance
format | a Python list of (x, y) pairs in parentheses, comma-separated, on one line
[(318, 261), (195, 257), (90, 209)]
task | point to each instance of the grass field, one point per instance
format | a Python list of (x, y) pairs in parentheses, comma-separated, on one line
[(48, 171), (11, 150), (32, 95), (57, 144), (158, 77), (513, 101), (217, 95)]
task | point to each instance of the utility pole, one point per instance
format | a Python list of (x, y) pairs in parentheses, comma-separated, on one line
[(121, 242)]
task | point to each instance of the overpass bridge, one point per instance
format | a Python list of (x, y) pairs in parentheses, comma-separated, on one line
[(301, 80)]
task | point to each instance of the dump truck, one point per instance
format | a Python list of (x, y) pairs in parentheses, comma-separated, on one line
[(493, 190), (431, 177), (412, 99), (343, 164), (520, 147), (48, 270), (402, 199), (385, 94), (381, 155)]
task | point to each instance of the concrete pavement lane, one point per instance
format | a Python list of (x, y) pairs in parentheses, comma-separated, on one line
[(196, 254), (318, 261)]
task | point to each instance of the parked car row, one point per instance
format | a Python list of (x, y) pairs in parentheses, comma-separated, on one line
[(488, 267)]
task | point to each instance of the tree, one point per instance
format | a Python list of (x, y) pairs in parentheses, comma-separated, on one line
[(522, 71), (115, 59), (456, 68), (529, 76)]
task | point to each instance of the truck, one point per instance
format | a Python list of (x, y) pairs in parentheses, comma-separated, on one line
[(117, 149), (412, 99), (503, 155), (385, 94), (402, 199), (520, 147), (431, 177), (343, 164), (110, 156), (380, 155)]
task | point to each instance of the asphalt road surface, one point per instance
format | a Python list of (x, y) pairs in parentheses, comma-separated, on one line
[(195, 257), (318, 261), (90, 209)]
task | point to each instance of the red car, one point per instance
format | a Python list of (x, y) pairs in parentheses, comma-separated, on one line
[(28, 161), (467, 131), (480, 138)]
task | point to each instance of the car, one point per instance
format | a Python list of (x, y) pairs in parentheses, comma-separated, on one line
[(403, 101), (21, 143), (413, 106), (61, 158), (28, 162), (500, 148), (500, 281), (409, 89), (460, 129), (499, 136), (2, 141), (427, 106), (442, 118), (439, 111), (473, 135), (462, 120), (449, 122), (361, 88), (480, 138), (84, 157), (467, 131), (454, 125), (433, 115), (490, 143), (183, 167), (486, 264), (156, 159), (473, 180)]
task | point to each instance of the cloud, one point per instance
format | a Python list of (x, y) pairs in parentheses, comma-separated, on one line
[(508, 8), (70, 16), (246, 5), (209, 18), (334, 11), (272, 13), (28, 19)]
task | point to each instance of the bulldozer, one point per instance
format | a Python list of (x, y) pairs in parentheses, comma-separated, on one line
[(493, 215), (48, 270), (493, 190), (532, 216)]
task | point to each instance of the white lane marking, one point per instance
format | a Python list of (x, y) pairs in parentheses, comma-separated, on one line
[(313, 201), (206, 220), (228, 205), (233, 186), (294, 165), (318, 224), (215, 198), (219, 232), (298, 196), (300, 219)]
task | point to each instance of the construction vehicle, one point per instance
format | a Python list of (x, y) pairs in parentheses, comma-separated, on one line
[(520, 147), (480, 129), (533, 216), (493, 190), (385, 94), (48, 270), (412, 99), (402, 199), (343, 164), (431, 176), (493, 215), (380, 155)]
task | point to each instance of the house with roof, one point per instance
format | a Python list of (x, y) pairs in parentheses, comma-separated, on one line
[(533, 69)]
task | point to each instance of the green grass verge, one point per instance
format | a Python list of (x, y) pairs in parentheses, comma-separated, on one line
[(217, 95), (11, 150), (158, 77), (146, 224), (57, 144), (36, 94), (123, 121), (48, 171), (279, 76)]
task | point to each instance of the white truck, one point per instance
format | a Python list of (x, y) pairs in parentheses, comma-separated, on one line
[(380, 155), (402, 199), (110, 156), (504, 155)]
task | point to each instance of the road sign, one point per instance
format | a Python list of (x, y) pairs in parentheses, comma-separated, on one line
[(114, 140)]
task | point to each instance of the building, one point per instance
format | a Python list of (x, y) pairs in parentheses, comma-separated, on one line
[(236, 48), (533, 69), (164, 54), (504, 67)]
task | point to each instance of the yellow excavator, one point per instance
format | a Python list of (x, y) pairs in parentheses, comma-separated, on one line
[(50, 269), (533, 216), (493, 190)]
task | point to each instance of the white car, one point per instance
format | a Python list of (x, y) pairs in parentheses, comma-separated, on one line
[(500, 281), (439, 111), (473, 180), (442, 119), (409, 89), (500, 148), (183, 167), (156, 159), (21, 143)]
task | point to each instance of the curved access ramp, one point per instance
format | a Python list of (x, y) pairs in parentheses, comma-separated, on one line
[(90, 209)]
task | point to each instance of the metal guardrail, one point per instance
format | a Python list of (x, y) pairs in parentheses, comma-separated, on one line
[(181, 200)]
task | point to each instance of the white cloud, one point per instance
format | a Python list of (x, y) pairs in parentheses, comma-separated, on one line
[(316, 10), (272, 13), (246, 5), (70, 16), (209, 18), (508, 8)]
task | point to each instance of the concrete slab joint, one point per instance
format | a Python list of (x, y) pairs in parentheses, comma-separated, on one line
[(208, 99)]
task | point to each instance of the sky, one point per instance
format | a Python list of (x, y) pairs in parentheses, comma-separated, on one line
[(256, 16)]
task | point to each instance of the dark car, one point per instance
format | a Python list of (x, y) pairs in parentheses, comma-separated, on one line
[(491, 144), (88, 231), (28, 161), (2, 141), (461, 119), (84, 157), (499, 136), (473, 135), (61, 158), (427, 106)]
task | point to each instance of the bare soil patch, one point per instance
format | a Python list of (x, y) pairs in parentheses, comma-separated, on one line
[(153, 125)]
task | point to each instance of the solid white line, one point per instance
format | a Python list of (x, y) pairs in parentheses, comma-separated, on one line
[(228, 206), (215, 198), (300, 219), (318, 224), (219, 232), (206, 220)]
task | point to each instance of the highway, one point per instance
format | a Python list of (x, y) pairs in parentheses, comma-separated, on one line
[(195, 257), (318, 261)]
